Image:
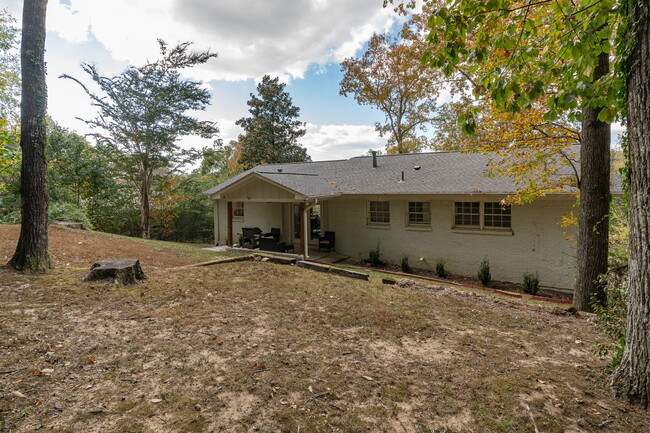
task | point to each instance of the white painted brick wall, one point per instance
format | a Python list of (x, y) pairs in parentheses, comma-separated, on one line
[(538, 243)]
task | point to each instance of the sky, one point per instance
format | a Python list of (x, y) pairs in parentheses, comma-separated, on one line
[(300, 41)]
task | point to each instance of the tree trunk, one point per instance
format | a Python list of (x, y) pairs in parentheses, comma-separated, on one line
[(145, 207), (631, 379), (593, 214), (31, 253)]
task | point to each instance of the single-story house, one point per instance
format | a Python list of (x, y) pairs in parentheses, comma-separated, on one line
[(429, 206)]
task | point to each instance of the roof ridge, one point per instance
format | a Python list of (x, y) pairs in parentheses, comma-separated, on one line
[(436, 152), (299, 162)]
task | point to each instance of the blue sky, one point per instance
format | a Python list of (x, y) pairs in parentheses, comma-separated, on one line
[(301, 41)]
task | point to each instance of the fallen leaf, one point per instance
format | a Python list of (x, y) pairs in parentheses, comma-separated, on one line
[(367, 377), (18, 394), (156, 400), (310, 389), (92, 360)]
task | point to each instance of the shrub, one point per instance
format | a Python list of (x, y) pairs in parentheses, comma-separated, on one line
[(404, 263), (531, 283), (613, 316), (70, 212), (374, 257), (484, 273), (440, 269)]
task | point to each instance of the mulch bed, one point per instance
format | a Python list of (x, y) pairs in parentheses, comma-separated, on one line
[(470, 281)]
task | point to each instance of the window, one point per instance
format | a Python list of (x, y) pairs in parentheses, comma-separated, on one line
[(419, 213), (496, 215), (467, 214), (379, 212), (238, 210)]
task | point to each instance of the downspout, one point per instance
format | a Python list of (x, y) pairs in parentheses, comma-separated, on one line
[(218, 223), (305, 235)]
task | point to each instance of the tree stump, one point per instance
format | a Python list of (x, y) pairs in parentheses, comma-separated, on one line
[(124, 271)]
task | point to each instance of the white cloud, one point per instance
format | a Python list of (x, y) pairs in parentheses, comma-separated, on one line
[(325, 142), (252, 37)]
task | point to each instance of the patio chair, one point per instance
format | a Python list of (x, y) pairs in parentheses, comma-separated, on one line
[(251, 235), (327, 242), (274, 233)]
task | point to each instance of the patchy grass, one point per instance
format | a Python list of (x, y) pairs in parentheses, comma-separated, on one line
[(255, 346)]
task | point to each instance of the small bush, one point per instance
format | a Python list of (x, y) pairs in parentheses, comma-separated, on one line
[(612, 317), (70, 212), (531, 283), (404, 263), (484, 273), (440, 269), (374, 257)]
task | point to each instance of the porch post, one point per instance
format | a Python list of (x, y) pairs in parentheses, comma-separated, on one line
[(301, 209), (305, 230), (229, 241)]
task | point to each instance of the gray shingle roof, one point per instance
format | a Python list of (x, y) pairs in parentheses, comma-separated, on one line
[(439, 173)]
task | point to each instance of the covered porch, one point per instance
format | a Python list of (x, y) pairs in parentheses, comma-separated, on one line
[(258, 213)]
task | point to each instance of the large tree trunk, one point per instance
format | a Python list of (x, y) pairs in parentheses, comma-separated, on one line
[(632, 377), (593, 214), (31, 253)]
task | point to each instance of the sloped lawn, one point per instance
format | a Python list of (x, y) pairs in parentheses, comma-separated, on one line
[(253, 346)]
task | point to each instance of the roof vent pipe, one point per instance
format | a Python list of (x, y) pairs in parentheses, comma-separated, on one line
[(374, 158)]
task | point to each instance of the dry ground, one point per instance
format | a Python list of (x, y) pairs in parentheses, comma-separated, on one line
[(254, 346)]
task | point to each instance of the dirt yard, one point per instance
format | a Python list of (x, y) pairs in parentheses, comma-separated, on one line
[(254, 346)]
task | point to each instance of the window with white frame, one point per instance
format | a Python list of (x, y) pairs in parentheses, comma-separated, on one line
[(482, 215), (238, 210), (496, 215), (379, 212), (419, 213), (467, 214)]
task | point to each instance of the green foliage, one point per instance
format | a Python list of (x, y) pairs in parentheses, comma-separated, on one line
[(521, 53), (9, 69), (10, 157), (10, 208), (612, 316), (374, 257), (76, 170), (115, 210), (404, 263), (531, 283), (484, 273), (440, 269), (141, 114), (70, 212), (619, 234), (272, 131)]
